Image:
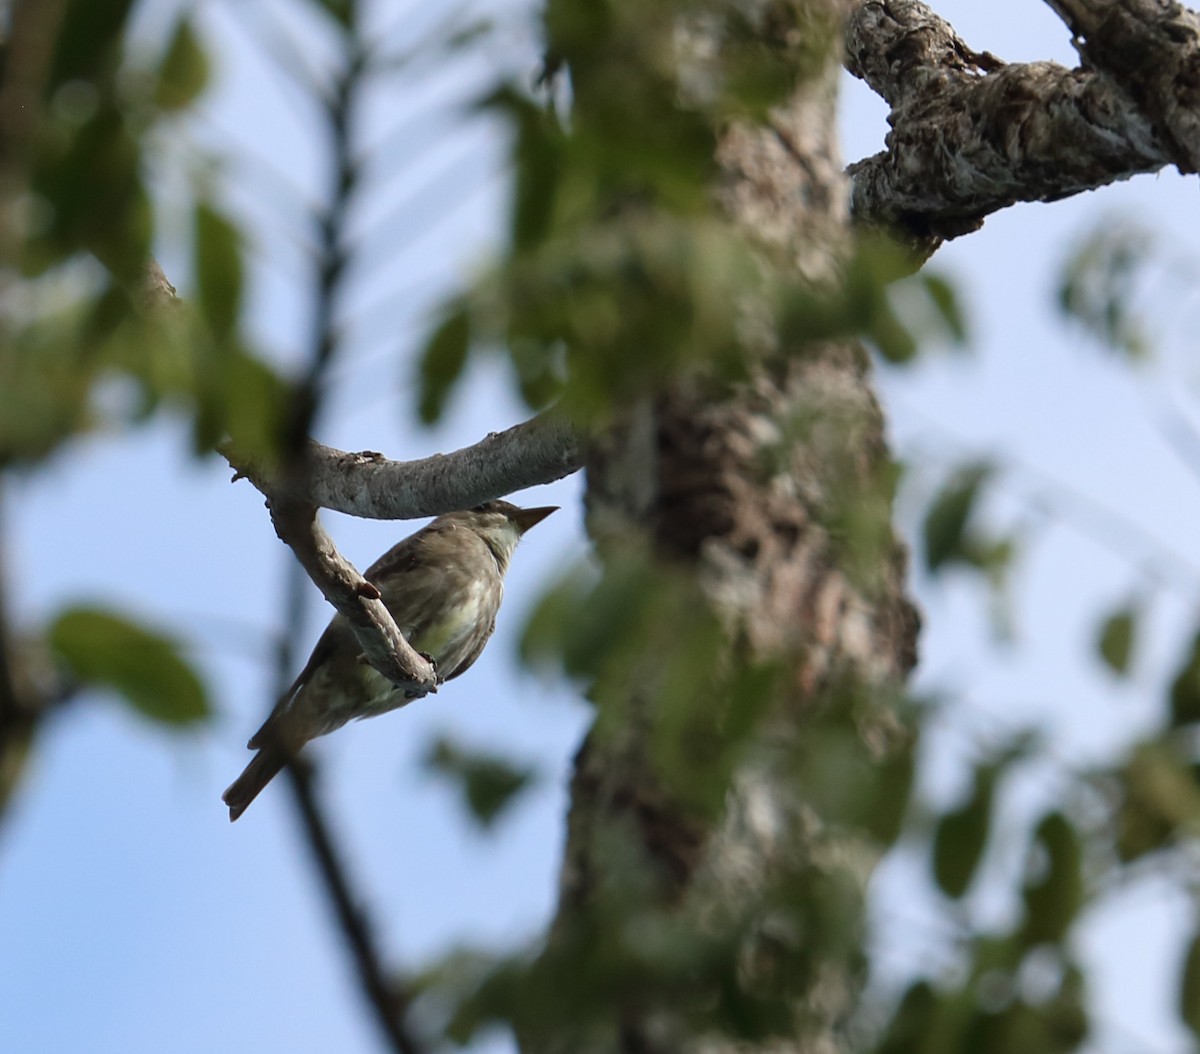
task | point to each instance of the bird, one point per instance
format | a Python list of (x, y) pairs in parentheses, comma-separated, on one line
[(443, 585)]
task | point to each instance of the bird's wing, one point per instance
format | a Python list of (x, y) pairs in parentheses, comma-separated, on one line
[(325, 644), (403, 556), (469, 658)]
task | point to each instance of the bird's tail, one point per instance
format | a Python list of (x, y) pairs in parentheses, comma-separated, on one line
[(263, 768)]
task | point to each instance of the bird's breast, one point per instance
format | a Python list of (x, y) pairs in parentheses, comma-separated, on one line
[(457, 625)]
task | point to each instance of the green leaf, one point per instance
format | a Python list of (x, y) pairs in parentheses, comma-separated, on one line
[(489, 783), (255, 406), (962, 835), (442, 362), (549, 628), (1189, 987), (184, 72), (105, 650), (891, 336), (1100, 284), (943, 297), (45, 381), (1185, 689), (90, 176), (946, 522), (1116, 639), (1055, 894), (343, 12), (218, 264), (88, 43), (538, 156), (1160, 800)]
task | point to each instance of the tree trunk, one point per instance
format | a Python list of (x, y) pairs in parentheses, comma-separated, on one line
[(754, 489)]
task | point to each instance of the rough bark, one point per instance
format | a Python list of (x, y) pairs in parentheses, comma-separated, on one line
[(1150, 50), (972, 134), (691, 469)]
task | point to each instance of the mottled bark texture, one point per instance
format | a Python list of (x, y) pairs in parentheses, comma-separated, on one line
[(1150, 49), (742, 486), (971, 134)]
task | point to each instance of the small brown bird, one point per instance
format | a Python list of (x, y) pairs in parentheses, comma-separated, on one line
[(443, 586)]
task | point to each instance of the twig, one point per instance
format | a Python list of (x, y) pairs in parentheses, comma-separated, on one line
[(354, 597), (388, 999), (16, 720)]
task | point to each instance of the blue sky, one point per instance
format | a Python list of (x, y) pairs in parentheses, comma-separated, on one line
[(135, 918)]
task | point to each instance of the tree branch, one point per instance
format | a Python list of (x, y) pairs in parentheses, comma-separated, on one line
[(388, 999), (972, 135), (368, 485), (384, 646), (1151, 49)]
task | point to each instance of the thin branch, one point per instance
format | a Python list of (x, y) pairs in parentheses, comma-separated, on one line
[(156, 293), (540, 450), (384, 646), (332, 252), (972, 135), (388, 999), (16, 719), (369, 485)]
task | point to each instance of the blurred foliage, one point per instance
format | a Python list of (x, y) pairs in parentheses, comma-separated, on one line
[(74, 255), (1189, 988), (184, 72), (91, 335), (619, 272), (947, 539), (105, 650), (1117, 637), (1184, 696), (489, 783), (1100, 284), (644, 629), (641, 631), (962, 834)]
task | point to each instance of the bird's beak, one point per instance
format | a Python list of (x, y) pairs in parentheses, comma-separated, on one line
[(526, 518)]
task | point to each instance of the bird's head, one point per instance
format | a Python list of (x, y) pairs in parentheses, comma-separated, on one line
[(500, 524)]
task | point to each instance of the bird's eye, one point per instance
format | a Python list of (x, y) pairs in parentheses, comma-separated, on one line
[(480, 508)]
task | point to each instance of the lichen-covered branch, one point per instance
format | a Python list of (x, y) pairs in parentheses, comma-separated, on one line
[(971, 134), (1151, 50), (370, 485)]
